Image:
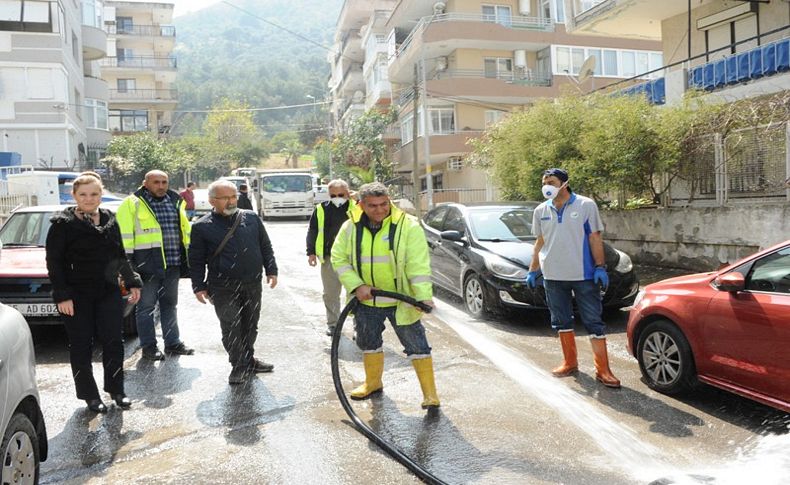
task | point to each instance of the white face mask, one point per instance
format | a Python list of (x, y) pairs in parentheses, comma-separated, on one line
[(338, 201), (550, 191), (230, 210)]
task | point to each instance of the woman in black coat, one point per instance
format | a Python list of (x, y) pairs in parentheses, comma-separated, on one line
[(85, 256)]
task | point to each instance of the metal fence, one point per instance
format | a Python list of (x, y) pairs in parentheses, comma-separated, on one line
[(10, 202), (748, 164)]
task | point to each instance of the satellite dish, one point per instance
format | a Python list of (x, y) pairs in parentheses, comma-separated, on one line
[(587, 69), (358, 96)]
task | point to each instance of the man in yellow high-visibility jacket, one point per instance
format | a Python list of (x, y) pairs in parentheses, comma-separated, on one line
[(155, 232), (383, 247), (324, 225)]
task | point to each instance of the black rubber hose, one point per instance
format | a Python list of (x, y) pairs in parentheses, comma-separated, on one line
[(362, 427)]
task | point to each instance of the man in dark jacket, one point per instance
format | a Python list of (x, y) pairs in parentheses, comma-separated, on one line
[(244, 198), (233, 283), (326, 220)]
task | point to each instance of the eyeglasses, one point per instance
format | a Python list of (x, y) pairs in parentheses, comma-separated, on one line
[(229, 197)]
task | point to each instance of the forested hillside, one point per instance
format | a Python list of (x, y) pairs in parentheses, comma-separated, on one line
[(225, 52)]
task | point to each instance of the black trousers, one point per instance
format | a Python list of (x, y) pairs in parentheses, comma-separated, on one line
[(98, 315), (238, 307)]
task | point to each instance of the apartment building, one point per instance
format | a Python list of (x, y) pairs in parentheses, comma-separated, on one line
[(45, 50), (140, 67), (473, 62), (732, 49)]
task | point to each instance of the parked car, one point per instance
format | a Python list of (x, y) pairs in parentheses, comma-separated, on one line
[(202, 206), (24, 442), (482, 252), (729, 328), (24, 280)]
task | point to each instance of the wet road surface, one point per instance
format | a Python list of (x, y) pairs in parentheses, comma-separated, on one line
[(504, 418)]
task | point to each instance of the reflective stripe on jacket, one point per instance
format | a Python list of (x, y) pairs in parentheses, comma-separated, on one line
[(142, 235), (395, 259), (319, 214)]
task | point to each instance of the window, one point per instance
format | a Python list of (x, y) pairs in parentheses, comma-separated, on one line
[(124, 25), (499, 68), (25, 16), (499, 14), (545, 9), (609, 63), (436, 181), (435, 217), (125, 85), (559, 11), (642, 65), (577, 59), (407, 129), (493, 116), (442, 121), (455, 221), (629, 63), (598, 60), (771, 273), (588, 4), (75, 47), (563, 60), (95, 114), (78, 103), (128, 120), (93, 13)]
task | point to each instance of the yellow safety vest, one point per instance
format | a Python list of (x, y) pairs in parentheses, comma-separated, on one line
[(319, 214), (395, 259), (142, 235)]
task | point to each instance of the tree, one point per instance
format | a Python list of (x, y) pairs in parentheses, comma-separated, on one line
[(229, 133), (129, 158), (363, 147)]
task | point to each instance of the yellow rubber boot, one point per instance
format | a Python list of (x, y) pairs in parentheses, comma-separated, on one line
[(569, 363), (424, 368), (602, 372), (374, 369)]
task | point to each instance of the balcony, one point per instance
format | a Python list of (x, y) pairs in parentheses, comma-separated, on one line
[(144, 95), (96, 88), (496, 87), (146, 63), (143, 30), (636, 19), (94, 43), (443, 145), (352, 80), (450, 31)]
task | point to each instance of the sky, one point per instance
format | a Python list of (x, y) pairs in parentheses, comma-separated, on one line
[(186, 6)]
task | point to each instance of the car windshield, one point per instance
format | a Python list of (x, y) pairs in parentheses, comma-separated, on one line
[(26, 229), (288, 183), (502, 224)]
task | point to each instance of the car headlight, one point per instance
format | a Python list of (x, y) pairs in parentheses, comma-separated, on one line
[(504, 269), (638, 299), (625, 265)]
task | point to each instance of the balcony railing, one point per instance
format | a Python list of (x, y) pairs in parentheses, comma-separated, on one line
[(525, 79), (513, 22), (143, 30), (140, 62), (144, 94)]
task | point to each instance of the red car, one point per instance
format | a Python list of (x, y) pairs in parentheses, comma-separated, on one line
[(729, 329)]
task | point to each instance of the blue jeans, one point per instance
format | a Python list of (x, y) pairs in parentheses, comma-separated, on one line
[(165, 292), (559, 296), (369, 324)]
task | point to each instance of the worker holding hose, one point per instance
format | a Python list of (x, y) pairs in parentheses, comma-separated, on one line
[(384, 248)]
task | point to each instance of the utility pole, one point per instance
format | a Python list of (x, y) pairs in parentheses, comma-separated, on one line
[(415, 175)]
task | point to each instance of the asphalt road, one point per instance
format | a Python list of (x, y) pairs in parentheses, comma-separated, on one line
[(504, 419)]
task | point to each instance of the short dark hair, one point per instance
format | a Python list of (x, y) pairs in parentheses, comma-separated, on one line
[(190, 184), (243, 187)]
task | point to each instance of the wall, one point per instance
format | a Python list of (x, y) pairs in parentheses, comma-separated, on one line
[(697, 239)]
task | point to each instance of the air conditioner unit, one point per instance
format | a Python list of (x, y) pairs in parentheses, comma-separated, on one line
[(439, 8), (441, 63), (455, 164)]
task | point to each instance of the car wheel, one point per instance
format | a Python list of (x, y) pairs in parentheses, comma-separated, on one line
[(474, 296), (665, 358), (20, 451)]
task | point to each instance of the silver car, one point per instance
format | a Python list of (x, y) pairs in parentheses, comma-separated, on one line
[(24, 443)]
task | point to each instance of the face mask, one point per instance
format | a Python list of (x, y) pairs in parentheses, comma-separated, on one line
[(338, 201), (230, 210), (550, 191)]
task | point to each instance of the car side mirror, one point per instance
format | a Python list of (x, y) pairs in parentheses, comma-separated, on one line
[(454, 236), (732, 282)]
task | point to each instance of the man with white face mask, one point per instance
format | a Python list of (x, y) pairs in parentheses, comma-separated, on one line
[(569, 255), (325, 222), (232, 243)]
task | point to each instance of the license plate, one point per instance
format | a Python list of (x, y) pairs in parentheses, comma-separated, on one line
[(36, 309)]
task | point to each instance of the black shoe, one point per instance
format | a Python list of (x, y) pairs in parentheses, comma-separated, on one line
[(179, 349), (238, 375), (96, 405), (330, 331), (258, 366), (153, 353), (122, 401)]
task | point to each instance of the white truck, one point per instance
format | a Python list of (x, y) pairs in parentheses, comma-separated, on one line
[(286, 193)]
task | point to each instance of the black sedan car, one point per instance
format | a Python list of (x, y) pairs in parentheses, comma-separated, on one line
[(482, 252)]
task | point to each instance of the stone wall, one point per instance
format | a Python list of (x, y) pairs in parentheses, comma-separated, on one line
[(698, 239)]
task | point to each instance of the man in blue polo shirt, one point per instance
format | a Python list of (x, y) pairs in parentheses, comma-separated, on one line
[(569, 253)]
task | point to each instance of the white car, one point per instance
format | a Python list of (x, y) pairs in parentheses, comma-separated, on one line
[(24, 444), (202, 206)]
